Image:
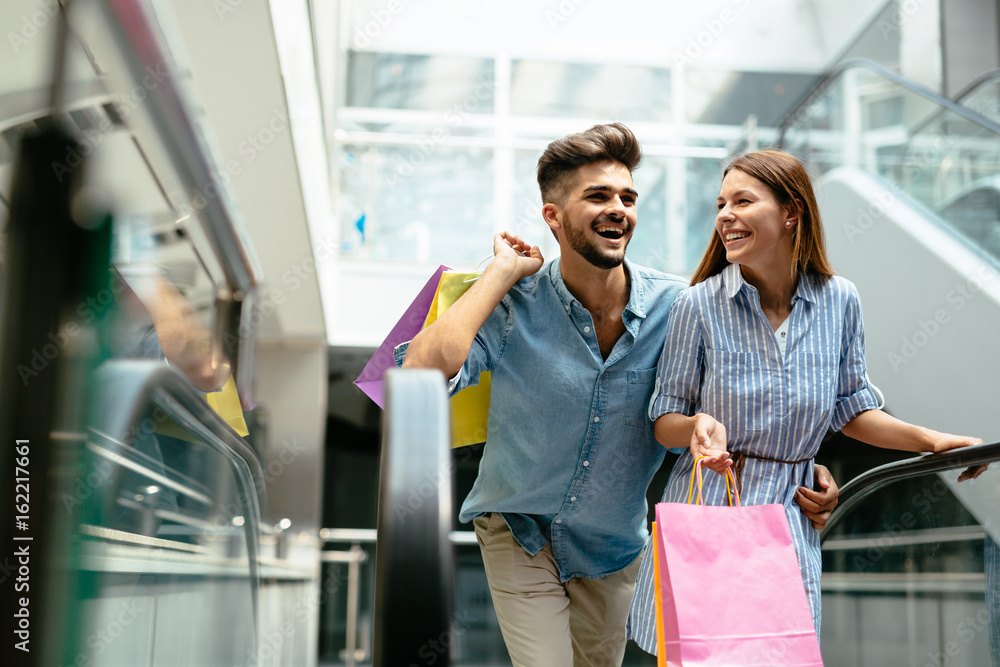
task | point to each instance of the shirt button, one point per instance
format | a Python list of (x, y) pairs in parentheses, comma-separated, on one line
[(597, 419), (558, 520), (586, 329), (573, 499), (586, 463)]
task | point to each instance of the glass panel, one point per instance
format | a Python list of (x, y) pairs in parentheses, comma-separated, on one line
[(704, 178), (984, 99), (910, 576), (719, 97), (425, 202), (932, 153), (161, 550), (648, 246), (586, 90), (427, 83)]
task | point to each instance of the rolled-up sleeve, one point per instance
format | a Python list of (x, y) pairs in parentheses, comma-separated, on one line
[(678, 373), (855, 393), (487, 348)]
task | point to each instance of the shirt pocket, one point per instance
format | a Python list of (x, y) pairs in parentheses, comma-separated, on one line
[(816, 382), (736, 391), (638, 391)]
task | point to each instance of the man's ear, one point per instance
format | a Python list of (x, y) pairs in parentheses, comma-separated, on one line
[(553, 216)]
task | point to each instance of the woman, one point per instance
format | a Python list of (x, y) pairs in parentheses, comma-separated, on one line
[(763, 354)]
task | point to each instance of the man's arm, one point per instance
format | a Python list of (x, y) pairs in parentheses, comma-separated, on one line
[(445, 344)]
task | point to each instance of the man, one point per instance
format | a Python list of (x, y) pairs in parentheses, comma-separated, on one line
[(559, 504)]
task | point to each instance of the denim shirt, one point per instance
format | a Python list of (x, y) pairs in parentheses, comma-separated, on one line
[(569, 450)]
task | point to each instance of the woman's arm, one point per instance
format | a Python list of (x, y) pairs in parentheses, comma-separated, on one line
[(880, 429), (702, 433)]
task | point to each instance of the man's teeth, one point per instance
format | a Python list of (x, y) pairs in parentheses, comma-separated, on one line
[(732, 236), (603, 229)]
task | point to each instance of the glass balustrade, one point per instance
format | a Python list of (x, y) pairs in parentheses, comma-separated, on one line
[(938, 153)]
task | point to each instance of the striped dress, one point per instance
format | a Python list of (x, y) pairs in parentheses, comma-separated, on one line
[(721, 357)]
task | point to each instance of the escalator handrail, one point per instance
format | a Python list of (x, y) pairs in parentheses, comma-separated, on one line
[(147, 381), (814, 91), (128, 387), (224, 225), (984, 78), (867, 483)]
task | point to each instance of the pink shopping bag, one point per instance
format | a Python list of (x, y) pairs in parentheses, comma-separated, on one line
[(730, 587)]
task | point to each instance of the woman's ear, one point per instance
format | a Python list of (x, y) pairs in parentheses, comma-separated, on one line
[(793, 213)]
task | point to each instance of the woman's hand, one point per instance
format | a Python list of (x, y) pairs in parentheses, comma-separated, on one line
[(942, 442), (709, 440)]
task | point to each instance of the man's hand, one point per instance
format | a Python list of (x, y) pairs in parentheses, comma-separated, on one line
[(522, 258), (817, 505), (709, 440)]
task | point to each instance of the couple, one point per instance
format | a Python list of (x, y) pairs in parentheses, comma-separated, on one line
[(595, 360)]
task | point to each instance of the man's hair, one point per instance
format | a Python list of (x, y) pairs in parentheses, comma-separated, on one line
[(613, 142)]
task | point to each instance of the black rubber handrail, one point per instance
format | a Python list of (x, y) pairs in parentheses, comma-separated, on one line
[(862, 486), (831, 76)]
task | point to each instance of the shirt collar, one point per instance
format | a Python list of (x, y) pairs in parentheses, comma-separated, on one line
[(732, 279), (636, 301)]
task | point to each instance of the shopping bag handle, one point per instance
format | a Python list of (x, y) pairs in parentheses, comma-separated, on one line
[(731, 489)]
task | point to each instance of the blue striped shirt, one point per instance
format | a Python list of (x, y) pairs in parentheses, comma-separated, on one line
[(721, 357)]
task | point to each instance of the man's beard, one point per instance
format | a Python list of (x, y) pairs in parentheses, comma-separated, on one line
[(578, 241)]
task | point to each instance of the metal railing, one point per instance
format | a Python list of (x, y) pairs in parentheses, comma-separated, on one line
[(816, 91), (862, 486)]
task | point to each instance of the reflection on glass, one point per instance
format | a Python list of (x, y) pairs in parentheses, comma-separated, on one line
[(160, 549)]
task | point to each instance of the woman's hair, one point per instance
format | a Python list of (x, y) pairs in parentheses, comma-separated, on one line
[(562, 157), (789, 183)]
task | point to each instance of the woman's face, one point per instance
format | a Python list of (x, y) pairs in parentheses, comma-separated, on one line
[(751, 224)]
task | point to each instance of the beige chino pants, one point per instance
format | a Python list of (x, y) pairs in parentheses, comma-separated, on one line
[(546, 622)]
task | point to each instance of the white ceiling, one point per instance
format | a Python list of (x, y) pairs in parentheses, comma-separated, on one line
[(742, 35)]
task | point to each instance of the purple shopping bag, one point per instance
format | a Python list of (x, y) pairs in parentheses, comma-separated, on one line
[(731, 589), (370, 380)]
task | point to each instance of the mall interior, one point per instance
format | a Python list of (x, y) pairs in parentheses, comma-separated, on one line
[(215, 212)]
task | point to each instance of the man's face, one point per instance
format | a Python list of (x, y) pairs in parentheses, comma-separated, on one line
[(599, 214)]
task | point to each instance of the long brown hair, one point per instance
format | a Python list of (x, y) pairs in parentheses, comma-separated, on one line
[(789, 182)]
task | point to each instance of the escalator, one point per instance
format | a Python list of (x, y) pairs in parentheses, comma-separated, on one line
[(908, 186)]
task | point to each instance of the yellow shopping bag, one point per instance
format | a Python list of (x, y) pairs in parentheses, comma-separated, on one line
[(225, 402), (470, 408)]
